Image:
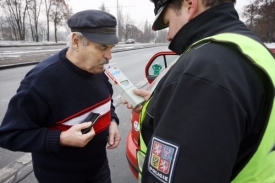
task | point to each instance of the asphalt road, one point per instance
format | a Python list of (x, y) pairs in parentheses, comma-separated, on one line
[(131, 63)]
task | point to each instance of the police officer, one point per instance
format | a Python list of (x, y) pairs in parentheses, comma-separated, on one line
[(211, 117)]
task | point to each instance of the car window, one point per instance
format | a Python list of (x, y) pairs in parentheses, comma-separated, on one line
[(160, 63), (157, 66), (154, 84), (171, 58)]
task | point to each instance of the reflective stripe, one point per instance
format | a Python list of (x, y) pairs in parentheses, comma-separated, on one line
[(103, 122), (143, 148), (140, 158), (261, 167), (103, 109), (139, 178)]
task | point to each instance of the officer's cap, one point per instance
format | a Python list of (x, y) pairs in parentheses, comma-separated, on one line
[(95, 25), (159, 7)]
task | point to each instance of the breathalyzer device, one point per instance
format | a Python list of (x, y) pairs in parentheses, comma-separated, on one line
[(123, 86)]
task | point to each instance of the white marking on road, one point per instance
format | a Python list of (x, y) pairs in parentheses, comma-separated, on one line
[(150, 54), (35, 51), (11, 56)]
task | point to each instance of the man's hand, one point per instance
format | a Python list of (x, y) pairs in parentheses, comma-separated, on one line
[(140, 92), (74, 137), (114, 136)]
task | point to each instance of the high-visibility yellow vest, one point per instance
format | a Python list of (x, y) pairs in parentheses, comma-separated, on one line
[(261, 167)]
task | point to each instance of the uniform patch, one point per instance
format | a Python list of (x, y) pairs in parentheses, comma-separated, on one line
[(162, 159)]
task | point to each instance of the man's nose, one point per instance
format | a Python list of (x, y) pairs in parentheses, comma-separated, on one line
[(108, 55), (169, 38)]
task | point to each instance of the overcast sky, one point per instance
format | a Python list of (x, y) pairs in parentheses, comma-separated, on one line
[(139, 10)]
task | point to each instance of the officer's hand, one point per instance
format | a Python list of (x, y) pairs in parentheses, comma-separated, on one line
[(114, 136), (140, 92), (74, 137)]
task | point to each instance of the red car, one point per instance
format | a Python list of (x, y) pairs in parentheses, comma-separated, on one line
[(154, 70)]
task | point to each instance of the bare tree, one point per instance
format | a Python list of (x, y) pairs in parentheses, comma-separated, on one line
[(120, 23), (128, 26), (60, 12), (103, 7), (146, 37), (15, 10), (260, 18), (161, 36), (267, 14), (135, 33), (250, 13), (48, 5), (9, 30), (6, 29), (34, 12)]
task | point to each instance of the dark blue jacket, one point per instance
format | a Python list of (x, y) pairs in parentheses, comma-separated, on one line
[(54, 92)]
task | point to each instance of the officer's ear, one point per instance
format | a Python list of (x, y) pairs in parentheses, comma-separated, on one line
[(192, 7)]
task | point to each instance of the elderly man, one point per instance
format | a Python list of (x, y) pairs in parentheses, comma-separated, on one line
[(49, 111)]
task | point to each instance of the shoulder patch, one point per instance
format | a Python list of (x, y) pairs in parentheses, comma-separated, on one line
[(162, 159)]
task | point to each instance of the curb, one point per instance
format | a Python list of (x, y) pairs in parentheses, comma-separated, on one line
[(31, 44), (17, 170), (17, 65)]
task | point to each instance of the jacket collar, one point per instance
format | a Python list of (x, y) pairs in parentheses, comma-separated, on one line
[(221, 18)]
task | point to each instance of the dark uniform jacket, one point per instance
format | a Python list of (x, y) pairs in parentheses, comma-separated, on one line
[(208, 112)]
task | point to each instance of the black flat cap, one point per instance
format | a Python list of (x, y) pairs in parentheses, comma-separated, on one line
[(159, 9), (95, 25)]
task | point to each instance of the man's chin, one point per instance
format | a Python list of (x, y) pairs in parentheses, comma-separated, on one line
[(99, 69)]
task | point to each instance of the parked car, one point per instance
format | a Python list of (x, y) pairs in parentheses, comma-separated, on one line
[(157, 66), (130, 41), (153, 73)]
